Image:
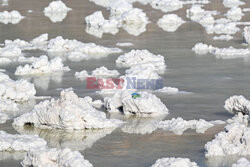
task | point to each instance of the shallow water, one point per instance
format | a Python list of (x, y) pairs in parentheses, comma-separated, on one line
[(209, 80)]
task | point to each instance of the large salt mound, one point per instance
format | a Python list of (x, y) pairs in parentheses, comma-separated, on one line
[(167, 5), (12, 17), (56, 11), (68, 112), (20, 90), (246, 34), (148, 104), (41, 66), (237, 104), (135, 57), (243, 162), (174, 162), (54, 157), (10, 142), (235, 14), (170, 22), (233, 141)]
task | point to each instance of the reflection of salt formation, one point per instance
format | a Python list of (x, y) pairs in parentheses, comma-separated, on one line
[(6, 155), (12, 17), (67, 139), (221, 53), (124, 44), (170, 22), (10, 142), (167, 5), (77, 50), (147, 104), (42, 66), (141, 125), (101, 72), (136, 57), (237, 104), (54, 157), (243, 162), (246, 34), (171, 162), (56, 11), (5, 2), (178, 125), (168, 90), (68, 112)]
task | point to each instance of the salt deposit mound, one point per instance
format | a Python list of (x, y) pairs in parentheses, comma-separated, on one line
[(54, 157), (68, 112), (146, 104), (237, 104)]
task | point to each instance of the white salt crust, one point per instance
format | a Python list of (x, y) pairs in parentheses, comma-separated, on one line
[(237, 104), (232, 3), (167, 5), (42, 66), (135, 57), (170, 22), (13, 17), (233, 141), (178, 125), (15, 142), (221, 53), (146, 105), (3, 117), (20, 90), (223, 37), (69, 112), (101, 72), (174, 162), (55, 157), (242, 162), (56, 11)]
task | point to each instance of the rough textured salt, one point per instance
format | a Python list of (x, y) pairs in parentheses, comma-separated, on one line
[(56, 11), (77, 50), (242, 162), (53, 157), (10, 142), (174, 162), (20, 90), (237, 104), (201, 48), (41, 66), (170, 22), (232, 3), (233, 141), (13, 17), (135, 57), (235, 14), (148, 104), (223, 28), (68, 112), (167, 5), (178, 125)]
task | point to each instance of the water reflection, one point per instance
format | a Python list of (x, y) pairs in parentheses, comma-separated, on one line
[(56, 17), (75, 140)]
